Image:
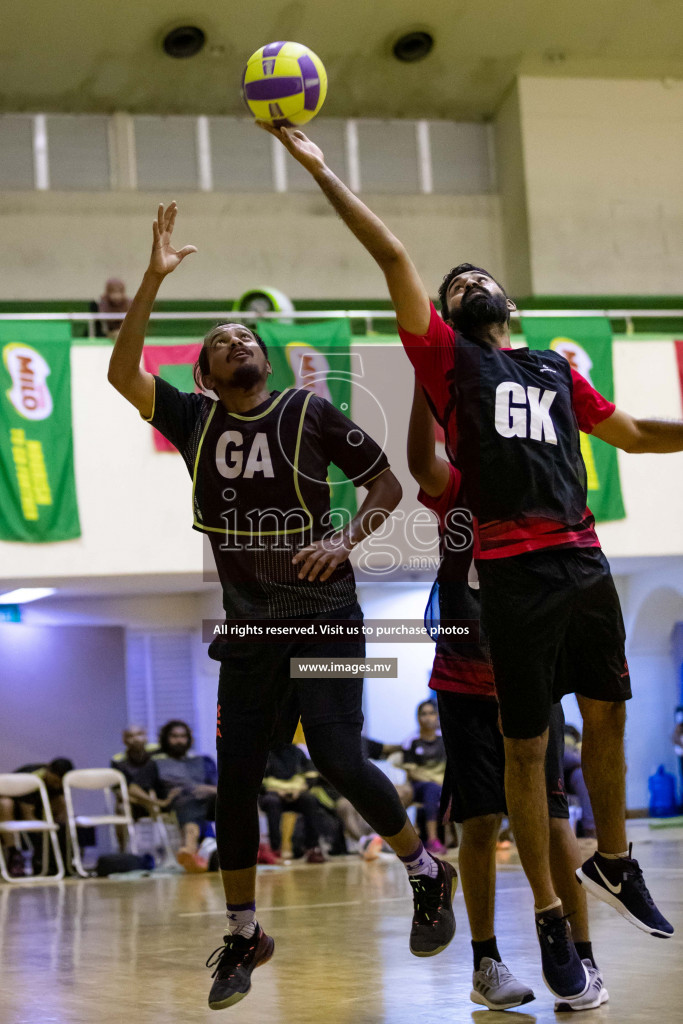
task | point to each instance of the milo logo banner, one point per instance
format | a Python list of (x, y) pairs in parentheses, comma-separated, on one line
[(586, 343), (315, 356), (36, 445)]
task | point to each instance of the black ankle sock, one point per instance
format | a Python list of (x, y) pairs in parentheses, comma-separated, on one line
[(585, 951), (487, 948)]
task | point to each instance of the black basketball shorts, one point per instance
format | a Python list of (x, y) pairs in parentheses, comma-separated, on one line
[(474, 783), (555, 626)]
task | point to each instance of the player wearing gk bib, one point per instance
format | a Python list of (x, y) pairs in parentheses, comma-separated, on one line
[(547, 593), (474, 785), (258, 462)]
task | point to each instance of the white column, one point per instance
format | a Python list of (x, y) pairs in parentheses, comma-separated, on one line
[(41, 169)]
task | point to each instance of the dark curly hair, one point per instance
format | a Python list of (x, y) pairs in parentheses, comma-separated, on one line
[(166, 730), (201, 367), (462, 268)]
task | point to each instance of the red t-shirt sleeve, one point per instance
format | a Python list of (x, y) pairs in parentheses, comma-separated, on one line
[(432, 357), (590, 407), (445, 501)]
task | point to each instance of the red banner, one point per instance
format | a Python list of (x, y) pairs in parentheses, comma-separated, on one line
[(679, 360), (161, 361)]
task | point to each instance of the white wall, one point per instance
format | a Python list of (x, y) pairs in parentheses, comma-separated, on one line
[(64, 245), (510, 171), (135, 502), (652, 602), (602, 161)]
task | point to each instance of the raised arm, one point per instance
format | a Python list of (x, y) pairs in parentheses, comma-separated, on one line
[(640, 435), (408, 293), (125, 372), (430, 471)]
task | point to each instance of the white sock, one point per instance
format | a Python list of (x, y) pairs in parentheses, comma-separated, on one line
[(421, 863), (557, 902), (614, 856), (241, 919)]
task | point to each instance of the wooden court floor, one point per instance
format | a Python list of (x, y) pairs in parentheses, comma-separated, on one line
[(133, 951)]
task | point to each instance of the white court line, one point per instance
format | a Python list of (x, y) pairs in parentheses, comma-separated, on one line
[(323, 906), (304, 906)]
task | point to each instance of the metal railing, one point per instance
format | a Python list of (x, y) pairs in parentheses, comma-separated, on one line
[(368, 315)]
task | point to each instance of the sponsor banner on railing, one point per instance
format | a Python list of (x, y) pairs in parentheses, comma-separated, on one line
[(174, 364), (679, 360), (315, 356), (586, 342), (37, 486)]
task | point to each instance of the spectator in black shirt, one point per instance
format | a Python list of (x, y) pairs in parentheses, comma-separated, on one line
[(286, 788), (145, 787), (425, 763)]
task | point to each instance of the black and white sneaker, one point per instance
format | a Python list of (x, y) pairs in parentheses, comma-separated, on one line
[(433, 924), (563, 971), (620, 883), (233, 963)]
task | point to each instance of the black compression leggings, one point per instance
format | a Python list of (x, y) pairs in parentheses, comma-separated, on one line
[(336, 752)]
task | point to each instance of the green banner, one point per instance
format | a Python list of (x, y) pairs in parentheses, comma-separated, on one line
[(316, 356), (586, 342), (37, 484)]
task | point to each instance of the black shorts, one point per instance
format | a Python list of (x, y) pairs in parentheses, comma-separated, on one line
[(474, 783), (555, 626), (257, 697)]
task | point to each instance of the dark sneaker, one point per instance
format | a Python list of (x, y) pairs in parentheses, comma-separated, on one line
[(621, 884), (316, 856), (15, 863), (433, 918), (595, 995), (234, 963), (563, 972)]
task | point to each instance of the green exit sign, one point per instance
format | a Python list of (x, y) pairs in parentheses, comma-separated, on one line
[(10, 613)]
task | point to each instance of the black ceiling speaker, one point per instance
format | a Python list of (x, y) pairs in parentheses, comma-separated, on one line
[(413, 46), (184, 41)]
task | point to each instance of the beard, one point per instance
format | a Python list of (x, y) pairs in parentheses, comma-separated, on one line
[(477, 309), (246, 376)]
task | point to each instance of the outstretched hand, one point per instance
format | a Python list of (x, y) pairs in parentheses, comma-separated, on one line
[(165, 258), (299, 145)]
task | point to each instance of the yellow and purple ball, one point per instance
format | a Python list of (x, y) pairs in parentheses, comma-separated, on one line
[(284, 84)]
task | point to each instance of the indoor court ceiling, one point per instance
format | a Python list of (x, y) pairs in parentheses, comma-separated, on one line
[(101, 55)]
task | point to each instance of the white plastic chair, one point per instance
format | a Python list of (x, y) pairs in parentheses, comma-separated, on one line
[(158, 825), (107, 780), (16, 785)]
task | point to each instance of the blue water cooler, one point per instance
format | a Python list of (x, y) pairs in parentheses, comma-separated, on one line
[(662, 786)]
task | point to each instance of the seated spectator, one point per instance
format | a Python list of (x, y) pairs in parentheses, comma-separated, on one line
[(574, 782), (30, 807), (425, 763), (286, 788), (114, 300), (145, 787), (193, 777)]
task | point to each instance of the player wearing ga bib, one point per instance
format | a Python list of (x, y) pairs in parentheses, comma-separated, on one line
[(260, 492), (259, 467)]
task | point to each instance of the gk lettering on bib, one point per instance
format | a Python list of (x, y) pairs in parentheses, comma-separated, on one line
[(524, 412)]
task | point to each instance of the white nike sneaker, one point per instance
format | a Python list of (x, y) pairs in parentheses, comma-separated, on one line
[(595, 995), (493, 985)]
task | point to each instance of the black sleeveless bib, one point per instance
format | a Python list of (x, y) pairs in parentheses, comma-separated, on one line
[(516, 439)]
